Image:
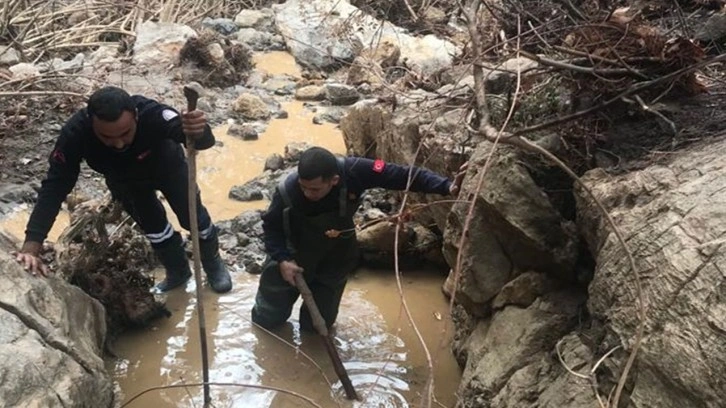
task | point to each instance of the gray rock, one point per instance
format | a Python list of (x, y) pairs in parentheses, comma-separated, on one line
[(52, 336), (274, 162), (260, 40), (339, 94), (672, 216), (524, 289), (512, 340), (223, 26), (310, 93), (157, 45), (294, 150), (9, 55), (246, 192), (714, 29), (17, 193), (280, 85), (318, 42), (244, 131), (515, 229), (330, 115), (262, 20)]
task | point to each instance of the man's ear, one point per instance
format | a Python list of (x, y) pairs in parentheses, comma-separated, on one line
[(335, 180)]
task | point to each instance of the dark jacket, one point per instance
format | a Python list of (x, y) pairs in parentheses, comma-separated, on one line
[(77, 142), (359, 175)]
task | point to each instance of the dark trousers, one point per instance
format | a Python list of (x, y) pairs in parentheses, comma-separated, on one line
[(275, 299), (169, 175)]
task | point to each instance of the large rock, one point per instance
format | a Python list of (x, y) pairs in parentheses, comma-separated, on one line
[(157, 45), (514, 229), (252, 107), (674, 219), (51, 343), (323, 33), (511, 341)]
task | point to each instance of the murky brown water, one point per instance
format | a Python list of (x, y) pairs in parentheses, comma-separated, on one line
[(376, 343)]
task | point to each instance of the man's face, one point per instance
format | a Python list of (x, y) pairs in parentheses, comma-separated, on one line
[(118, 134), (316, 189)]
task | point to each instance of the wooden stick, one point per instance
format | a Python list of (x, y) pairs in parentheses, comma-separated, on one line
[(194, 228), (322, 329)]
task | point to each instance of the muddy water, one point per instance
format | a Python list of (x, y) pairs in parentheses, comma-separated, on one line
[(376, 343)]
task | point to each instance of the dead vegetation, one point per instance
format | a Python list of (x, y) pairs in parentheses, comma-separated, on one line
[(218, 62), (105, 255)]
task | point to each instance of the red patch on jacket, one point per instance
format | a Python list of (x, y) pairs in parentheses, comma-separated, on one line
[(58, 156), (379, 165)]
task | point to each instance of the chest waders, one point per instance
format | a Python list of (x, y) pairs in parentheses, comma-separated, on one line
[(326, 261)]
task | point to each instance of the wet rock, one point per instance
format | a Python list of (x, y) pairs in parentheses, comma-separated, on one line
[(282, 115), (274, 162), (280, 85), (246, 192), (262, 20), (260, 40), (435, 15), (339, 94), (224, 26), (52, 336), (310, 93), (251, 107), (246, 228), (515, 229), (512, 340), (9, 55), (216, 53), (362, 126), (158, 44), (24, 70), (714, 29), (524, 289), (17, 193), (672, 215), (321, 44), (244, 131), (330, 115), (294, 150)]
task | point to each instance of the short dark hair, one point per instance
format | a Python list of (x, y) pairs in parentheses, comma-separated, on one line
[(317, 162), (108, 103)]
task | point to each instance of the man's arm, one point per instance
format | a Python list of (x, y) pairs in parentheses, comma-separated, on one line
[(173, 125), (377, 173), (64, 166), (274, 230)]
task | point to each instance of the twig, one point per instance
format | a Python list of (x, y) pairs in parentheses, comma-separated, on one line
[(562, 361), (583, 70), (656, 113)]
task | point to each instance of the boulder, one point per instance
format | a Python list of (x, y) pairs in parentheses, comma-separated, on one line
[(310, 93), (158, 44), (673, 217), (262, 20), (51, 343), (252, 107)]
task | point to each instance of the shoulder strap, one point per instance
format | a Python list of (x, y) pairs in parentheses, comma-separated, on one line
[(343, 197), (286, 213)]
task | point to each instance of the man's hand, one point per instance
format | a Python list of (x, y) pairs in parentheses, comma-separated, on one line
[(28, 258), (288, 270), (193, 123), (458, 178)]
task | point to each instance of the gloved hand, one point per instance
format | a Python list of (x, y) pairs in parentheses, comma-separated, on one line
[(288, 270)]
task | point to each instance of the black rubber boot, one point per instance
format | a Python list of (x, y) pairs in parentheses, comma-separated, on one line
[(217, 274), (175, 261)]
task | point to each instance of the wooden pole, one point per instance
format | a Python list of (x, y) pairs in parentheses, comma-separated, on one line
[(192, 96), (322, 329)]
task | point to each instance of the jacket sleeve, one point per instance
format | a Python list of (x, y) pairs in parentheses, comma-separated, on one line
[(377, 173), (64, 161), (169, 121), (274, 231)]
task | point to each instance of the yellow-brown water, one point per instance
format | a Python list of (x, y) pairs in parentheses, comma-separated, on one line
[(377, 345)]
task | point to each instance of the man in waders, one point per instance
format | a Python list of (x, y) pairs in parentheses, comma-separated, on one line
[(321, 197), (135, 143)]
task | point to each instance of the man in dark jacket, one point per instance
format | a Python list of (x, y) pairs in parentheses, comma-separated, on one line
[(135, 143), (300, 230)]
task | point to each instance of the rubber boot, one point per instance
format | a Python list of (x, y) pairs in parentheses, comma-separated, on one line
[(217, 274), (172, 256)]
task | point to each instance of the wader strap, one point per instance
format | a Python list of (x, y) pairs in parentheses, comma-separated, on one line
[(286, 215), (343, 196)]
